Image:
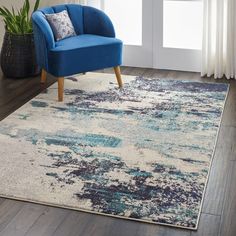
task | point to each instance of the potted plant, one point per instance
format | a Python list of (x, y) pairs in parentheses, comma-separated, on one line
[(18, 57)]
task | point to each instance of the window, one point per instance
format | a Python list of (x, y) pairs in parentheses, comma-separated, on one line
[(127, 19), (182, 24)]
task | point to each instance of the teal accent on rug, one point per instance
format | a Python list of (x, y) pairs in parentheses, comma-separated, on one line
[(141, 153)]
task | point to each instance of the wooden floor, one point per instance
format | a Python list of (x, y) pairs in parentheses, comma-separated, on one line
[(219, 208)]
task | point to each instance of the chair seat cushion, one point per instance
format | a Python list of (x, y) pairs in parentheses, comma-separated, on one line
[(84, 53)]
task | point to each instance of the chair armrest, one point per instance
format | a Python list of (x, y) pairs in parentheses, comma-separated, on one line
[(97, 22), (44, 28), (39, 19), (43, 38)]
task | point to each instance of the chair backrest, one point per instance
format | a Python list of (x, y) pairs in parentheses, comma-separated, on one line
[(85, 19), (75, 12)]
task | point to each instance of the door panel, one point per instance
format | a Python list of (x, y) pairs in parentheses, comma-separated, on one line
[(163, 34), (177, 34), (133, 23)]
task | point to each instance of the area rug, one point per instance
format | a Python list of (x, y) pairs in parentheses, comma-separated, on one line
[(141, 153)]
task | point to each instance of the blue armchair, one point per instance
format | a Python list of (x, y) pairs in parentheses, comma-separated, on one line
[(95, 46)]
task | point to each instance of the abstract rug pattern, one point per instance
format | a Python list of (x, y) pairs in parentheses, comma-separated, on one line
[(141, 153)]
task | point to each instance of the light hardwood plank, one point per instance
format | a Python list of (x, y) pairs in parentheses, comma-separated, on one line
[(8, 210), (79, 224), (48, 222), (74, 224), (215, 192), (229, 117), (23, 220), (15, 93), (2, 200), (228, 226), (157, 74), (209, 226), (135, 71)]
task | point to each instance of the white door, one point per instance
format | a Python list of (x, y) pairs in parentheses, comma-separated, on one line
[(133, 23), (177, 34), (162, 34)]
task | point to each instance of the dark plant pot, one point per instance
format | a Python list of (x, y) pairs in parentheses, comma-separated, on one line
[(18, 59)]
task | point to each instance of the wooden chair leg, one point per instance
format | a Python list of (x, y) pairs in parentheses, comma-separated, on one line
[(43, 76), (60, 88), (118, 76)]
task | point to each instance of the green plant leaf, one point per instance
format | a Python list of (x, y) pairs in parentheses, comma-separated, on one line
[(18, 22), (13, 11), (3, 13), (27, 6), (36, 6), (7, 11)]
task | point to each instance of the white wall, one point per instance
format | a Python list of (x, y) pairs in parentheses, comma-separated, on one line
[(18, 4)]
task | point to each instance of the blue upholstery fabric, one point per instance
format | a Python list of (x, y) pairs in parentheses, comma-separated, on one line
[(84, 53), (97, 22), (94, 47)]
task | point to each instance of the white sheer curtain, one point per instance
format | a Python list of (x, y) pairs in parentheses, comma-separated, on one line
[(219, 39)]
